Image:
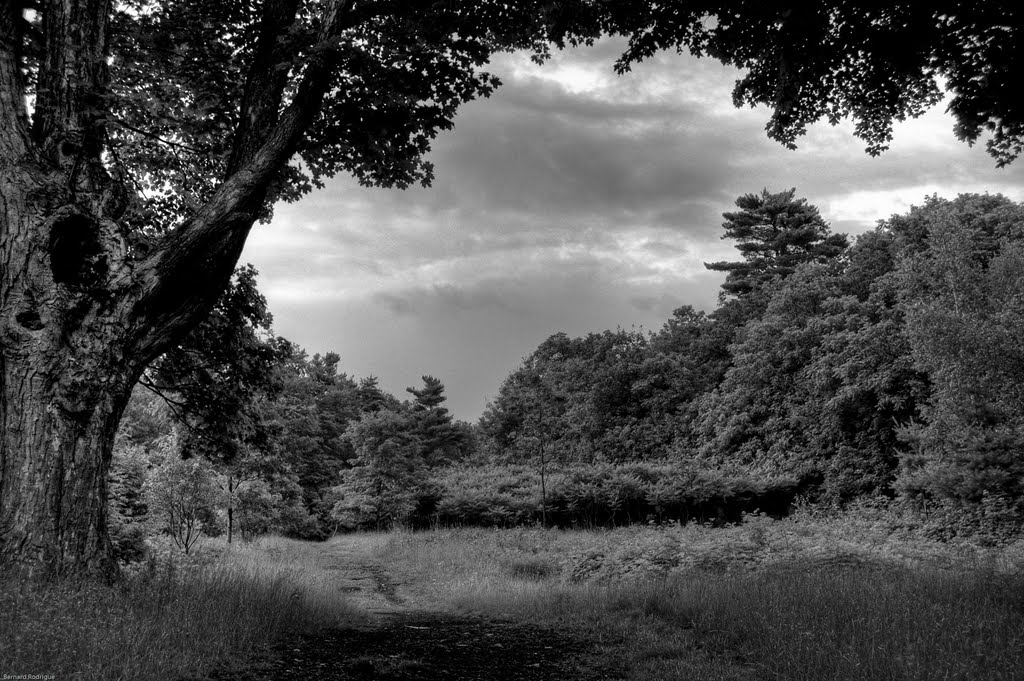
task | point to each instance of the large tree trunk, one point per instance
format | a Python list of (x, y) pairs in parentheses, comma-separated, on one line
[(53, 470), (81, 313), (64, 377), (80, 318)]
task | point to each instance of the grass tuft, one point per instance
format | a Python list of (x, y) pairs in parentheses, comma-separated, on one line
[(531, 568)]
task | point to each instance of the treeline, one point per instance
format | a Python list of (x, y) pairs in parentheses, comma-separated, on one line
[(891, 366), (595, 495), (239, 432)]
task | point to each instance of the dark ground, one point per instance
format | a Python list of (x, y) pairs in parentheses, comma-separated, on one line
[(405, 639), (429, 647)]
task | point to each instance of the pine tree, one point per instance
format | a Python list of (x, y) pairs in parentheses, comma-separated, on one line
[(776, 233), (443, 440), (371, 397), (430, 396)]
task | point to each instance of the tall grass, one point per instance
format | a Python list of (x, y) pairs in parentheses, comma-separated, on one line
[(801, 599), (857, 623), (170, 619), (771, 601)]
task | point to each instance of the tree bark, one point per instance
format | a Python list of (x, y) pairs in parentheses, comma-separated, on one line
[(53, 491), (64, 375)]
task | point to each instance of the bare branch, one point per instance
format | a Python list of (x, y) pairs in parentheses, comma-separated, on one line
[(158, 138)]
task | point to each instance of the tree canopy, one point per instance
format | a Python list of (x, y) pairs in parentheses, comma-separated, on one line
[(877, 64)]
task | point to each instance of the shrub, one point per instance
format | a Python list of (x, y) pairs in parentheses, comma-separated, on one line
[(259, 509), (183, 496), (127, 509), (600, 495)]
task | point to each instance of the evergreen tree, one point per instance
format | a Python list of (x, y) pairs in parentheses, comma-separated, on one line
[(380, 485), (430, 396), (442, 439), (606, 396), (692, 349), (775, 234), (371, 398), (748, 419), (307, 420)]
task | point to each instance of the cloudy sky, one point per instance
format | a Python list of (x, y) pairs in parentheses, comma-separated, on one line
[(572, 200)]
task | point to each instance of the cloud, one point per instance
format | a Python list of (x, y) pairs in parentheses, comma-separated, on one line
[(449, 298), (472, 336), (572, 200)]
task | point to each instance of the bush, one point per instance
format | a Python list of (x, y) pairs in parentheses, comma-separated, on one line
[(600, 495), (297, 523), (183, 496), (126, 505), (128, 539), (489, 496), (258, 511)]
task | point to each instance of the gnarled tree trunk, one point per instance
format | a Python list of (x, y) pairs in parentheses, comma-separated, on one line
[(53, 475), (82, 313), (64, 373)]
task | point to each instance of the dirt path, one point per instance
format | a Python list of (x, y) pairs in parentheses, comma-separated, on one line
[(366, 583), (402, 640)]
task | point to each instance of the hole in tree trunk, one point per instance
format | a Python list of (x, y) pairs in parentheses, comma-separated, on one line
[(29, 319), (76, 258)]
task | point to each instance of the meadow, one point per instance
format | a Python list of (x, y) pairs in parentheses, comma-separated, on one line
[(801, 598), (794, 599)]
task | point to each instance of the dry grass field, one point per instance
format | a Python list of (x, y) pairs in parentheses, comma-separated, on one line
[(802, 598), (795, 599)]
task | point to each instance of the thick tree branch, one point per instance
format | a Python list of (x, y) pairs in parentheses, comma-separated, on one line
[(180, 282), (268, 78), (14, 138), (72, 82), (266, 81)]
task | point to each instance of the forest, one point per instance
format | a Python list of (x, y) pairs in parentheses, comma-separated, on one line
[(885, 369)]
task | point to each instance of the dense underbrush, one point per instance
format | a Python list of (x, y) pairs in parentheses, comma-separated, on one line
[(599, 495)]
